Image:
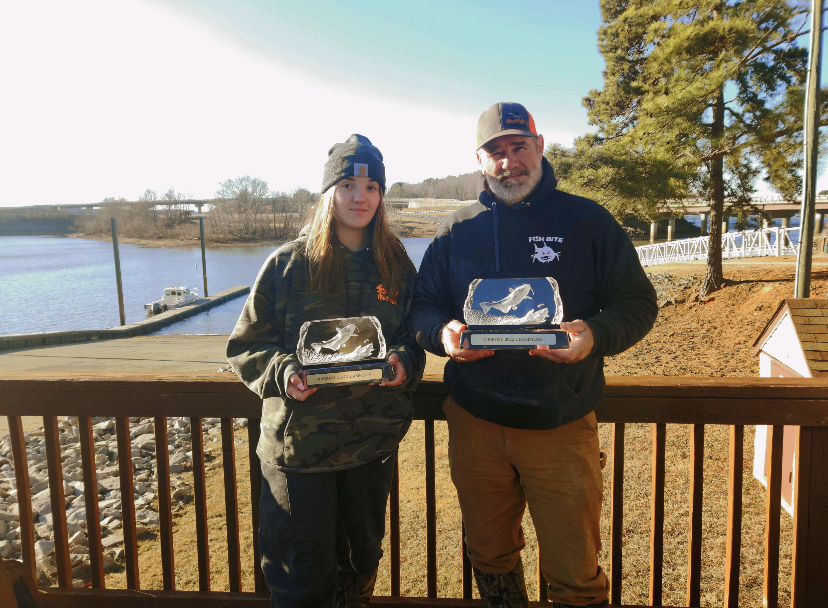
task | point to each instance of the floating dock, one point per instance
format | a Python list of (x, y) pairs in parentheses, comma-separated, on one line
[(146, 326)]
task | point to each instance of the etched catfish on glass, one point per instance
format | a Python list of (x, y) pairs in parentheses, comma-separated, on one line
[(343, 351), (513, 313)]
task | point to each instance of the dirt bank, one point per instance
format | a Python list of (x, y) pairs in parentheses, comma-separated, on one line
[(713, 337)]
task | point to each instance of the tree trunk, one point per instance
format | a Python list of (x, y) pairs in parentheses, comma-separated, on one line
[(714, 279)]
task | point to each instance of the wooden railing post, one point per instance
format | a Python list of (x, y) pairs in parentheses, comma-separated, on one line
[(431, 511), (127, 502), (543, 587), (810, 551), (231, 503), (58, 501), (24, 494), (200, 491), (466, 574), (733, 550), (773, 509), (394, 538), (253, 432), (165, 525), (657, 513), (694, 531), (90, 495), (617, 512)]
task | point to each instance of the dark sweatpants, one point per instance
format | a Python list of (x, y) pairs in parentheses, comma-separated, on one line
[(312, 525)]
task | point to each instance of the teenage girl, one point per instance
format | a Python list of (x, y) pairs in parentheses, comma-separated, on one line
[(327, 454)]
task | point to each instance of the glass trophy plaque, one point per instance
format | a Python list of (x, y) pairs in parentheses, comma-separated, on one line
[(342, 351), (513, 313)]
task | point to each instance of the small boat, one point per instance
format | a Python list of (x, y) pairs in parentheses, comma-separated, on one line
[(173, 297)]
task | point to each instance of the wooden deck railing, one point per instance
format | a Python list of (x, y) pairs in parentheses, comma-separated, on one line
[(658, 401)]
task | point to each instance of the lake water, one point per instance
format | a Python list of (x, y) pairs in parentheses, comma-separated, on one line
[(63, 284)]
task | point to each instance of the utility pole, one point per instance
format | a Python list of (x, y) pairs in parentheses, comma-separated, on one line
[(802, 284), (118, 270), (203, 256)]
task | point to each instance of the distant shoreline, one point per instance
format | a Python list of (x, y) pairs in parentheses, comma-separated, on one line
[(409, 225), (405, 231), (172, 242)]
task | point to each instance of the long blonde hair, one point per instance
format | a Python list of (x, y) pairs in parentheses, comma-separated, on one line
[(324, 253)]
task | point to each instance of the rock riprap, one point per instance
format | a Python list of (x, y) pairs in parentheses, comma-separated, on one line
[(145, 489)]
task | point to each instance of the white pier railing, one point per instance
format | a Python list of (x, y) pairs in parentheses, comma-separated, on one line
[(746, 244)]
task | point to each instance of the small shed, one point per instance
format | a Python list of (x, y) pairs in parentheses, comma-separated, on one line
[(794, 344)]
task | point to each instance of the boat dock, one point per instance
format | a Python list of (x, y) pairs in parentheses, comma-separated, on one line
[(140, 328)]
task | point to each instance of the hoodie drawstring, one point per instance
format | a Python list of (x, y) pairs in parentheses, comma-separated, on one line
[(496, 238)]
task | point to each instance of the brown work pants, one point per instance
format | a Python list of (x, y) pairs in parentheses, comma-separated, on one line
[(497, 470)]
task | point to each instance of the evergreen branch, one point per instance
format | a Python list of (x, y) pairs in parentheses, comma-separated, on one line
[(735, 147), (786, 40), (738, 116), (749, 56)]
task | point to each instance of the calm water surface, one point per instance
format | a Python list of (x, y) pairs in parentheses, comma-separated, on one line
[(62, 284)]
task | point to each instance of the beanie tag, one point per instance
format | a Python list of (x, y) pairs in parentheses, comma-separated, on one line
[(360, 169)]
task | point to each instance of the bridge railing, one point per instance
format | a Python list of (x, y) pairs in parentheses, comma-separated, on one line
[(656, 401), (748, 243)]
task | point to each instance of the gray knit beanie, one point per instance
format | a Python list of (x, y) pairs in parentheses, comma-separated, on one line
[(357, 156)]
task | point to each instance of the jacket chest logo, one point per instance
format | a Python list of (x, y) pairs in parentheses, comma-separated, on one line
[(382, 294), (545, 253)]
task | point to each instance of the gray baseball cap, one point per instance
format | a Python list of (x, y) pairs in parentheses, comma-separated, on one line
[(504, 118)]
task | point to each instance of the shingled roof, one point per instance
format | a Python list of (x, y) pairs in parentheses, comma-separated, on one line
[(810, 320)]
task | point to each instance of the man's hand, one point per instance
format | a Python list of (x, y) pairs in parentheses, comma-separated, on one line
[(581, 342), (399, 372), (296, 389), (451, 342)]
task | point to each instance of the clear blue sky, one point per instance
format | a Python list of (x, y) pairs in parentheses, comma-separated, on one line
[(112, 98)]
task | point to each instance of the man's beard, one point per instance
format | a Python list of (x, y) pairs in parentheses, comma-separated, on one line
[(511, 193)]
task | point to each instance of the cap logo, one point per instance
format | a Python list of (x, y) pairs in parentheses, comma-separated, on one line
[(360, 169), (513, 118)]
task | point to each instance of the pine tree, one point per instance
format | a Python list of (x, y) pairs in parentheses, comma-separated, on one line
[(703, 92)]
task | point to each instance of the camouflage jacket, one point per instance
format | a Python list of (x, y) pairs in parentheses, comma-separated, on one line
[(336, 427)]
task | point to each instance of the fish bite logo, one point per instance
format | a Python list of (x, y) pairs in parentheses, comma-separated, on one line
[(360, 169), (382, 294), (546, 253)]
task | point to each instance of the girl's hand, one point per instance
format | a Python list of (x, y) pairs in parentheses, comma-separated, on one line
[(451, 343), (399, 372), (296, 389)]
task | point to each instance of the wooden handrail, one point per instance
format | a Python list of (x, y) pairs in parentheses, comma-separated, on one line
[(632, 399), (655, 400)]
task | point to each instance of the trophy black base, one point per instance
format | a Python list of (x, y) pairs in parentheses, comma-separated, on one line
[(314, 376), (510, 337)]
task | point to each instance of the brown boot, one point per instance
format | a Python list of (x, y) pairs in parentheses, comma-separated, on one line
[(503, 590), (355, 590)]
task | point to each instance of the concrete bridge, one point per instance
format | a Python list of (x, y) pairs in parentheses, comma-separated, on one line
[(93, 207), (775, 207)]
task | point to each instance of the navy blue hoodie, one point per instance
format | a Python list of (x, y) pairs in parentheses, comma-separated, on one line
[(550, 234)]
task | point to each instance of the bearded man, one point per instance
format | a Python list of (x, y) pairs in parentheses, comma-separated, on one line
[(522, 427)]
